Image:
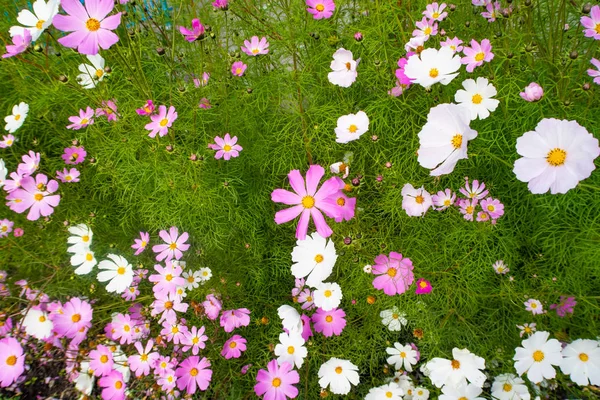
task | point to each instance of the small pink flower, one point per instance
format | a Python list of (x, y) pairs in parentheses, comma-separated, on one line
[(101, 360), (475, 190), (234, 347), (443, 199), (320, 9), (141, 363), (194, 339), (435, 11), (85, 118), (6, 227), (277, 381), (492, 11), (91, 28), (220, 4), (254, 47), (232, 319), (167, 280), (330, 322), (161, 122), (17, 233), (238, 68), (212, 307), (174, 246), (395, 273), (467, 208), (493, 207), (140, 244), (113, 386), (74, 155), (30, 164), (595, 73), (35, 195), (147, 109), (20, 44), (7, 141), (482, 216), (72, 319), (477, 54), (535, 306), (197, 31), (423, 286), (454, 44), (565, 306), (592, 23), (108, 109), (68, 175), (226, 147), (425, 28), (193, 373), (204, 103), (532, 92), (403, 80), (12, 361)]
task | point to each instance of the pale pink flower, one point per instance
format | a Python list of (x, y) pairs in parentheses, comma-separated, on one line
[(232, 319), (85, 118), (425, 28), (238, 68), (226, 147), (141, 363), (35, 195), (140, 244), (255, 47), (532, 92), (161, 122), (435, 11), (174, 246), (477, 54), (68, 175), (395, 273), (592, 23)]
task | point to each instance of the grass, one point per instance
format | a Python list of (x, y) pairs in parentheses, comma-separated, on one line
[(284, 111)]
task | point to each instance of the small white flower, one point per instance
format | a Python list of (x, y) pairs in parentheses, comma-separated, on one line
[(291, 349), (192, 279), (118, 271), (415, 202), (510, 387), (205, 274), (15, 120), (368, 268), (535, 306), (420, 393), (92, 74), (385, 392), (537, 356), (84, 261), (526, 329), (433, 66), (290, 318), (339, 375), (85, 380), (464, 366), (350, 127), (393, 319), (37, 324), (328, 296), (314, 258), (461, 392), (582, 362), (36, 23), (402, 356), (344, 68), (477, 97), (500, 267), (80, 239)]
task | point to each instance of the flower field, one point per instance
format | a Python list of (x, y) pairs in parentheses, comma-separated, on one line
[(300, 199)]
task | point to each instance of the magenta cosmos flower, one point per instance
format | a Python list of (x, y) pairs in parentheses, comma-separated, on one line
[(592, 23), (74, 155), (101, 360), (147, 109), (193, 372), (197, 31), (109, 109), (277, 381), (234, 347), (330, 322), (90, 26), (85, 118), (423, 286), (20, 44), (565, 306), (255, 47), (74, 317), (226, 147), (477, 54), (307, 201), (320, 8), (140, 244), (238, 68), (174, 246), (220, 4), (35, 195), (113, 386), (395, 273), (161, 122), (167, 280), (12, 361), (142, 362), (232, 319)]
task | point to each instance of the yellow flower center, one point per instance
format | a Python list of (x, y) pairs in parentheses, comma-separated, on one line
[(9, 142), (455, 364), (169, 277), (84, 121), (4, 228), (584, 357), (164, 122), (89, 257), (238, 71), (40, 24), (419, 199), (76, 318), (320, 7), (433, 72), (308, 202), (99, 73), (435, 15), (463, 398), (255, 51), (327, 293), (17, 117), (204, 273), (469, 209), (527, 330), (227, 147), (341, 202), (556, 157), (38, 197), (42, 319), (338, 370), (194, 372), (290, 349), (391, 272), (92, 25), (479, 56), (507, 387), (403, 354), (118, 384), (104, 359), (477, 99), (395, 316), (597, 29), (168, 304), (457, 141), (389, 395), (126, 328), (121, 270), (276, 382), (348, 66), (85, 238), (538, 356), (533, 305), (491, 208), (195, 340), (309, 298), (427, 31), (191, 279), (329, 318), (175, 329), (144, 357), (12, 360), (232, 345), (423, 284), (353, 128), (319, 258)]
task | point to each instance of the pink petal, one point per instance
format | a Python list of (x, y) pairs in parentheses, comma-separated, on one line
[(313, 177), (303, 225), (329, 188), (106, 38), (111, 22), (68, 23), (73, 40), (288, 214), (322, 227), (285, 197), (99, 9), (74, 8), (297, 182), (89, 45)]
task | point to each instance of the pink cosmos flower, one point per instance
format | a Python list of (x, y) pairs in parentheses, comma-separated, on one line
[(12, 361), (254, 47), (277, 381), (426, 28), (238, 68), (194, 339), (226, 147), (147, 109), (101, 360), (565, 306), (68, 175), (72, 318), (164, 364), (306, 331), (6, 227), (423, 286), (30, 164), (6, 326), (345, 205), (595, 73), (167, 380), (532, 92), (220, 4), (7, 141), (132, 292), (109, 109), (534, 306), (492, 11), (477, 54), (204, 103), (234, 347), (140, 244), (141, 363), (212, 307), (475, 191), (483, 217), (90, 26), (454, 44), (18, 233), (493, 207), (330, 322), (443, 199), (307, 201), (232, 319), (167, 304), (467, 208), (306, 298), (403, 80), (84, 119), (161, 122), (173, 331), (74, 155), (192, 373), (197, 31), (245, 369), (168, 278), (35, 195), (435, 11), (395, 273), (112, 384), (592, 23), (320, 8), (123, 327), (174, 246), (20, 44)]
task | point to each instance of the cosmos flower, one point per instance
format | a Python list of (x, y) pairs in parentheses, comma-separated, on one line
[(233, 347), (454, 44), (238, 68), (12, 361), (197, 31), (454, 373), (510, 387), (389, 391), (592, 23), (38, 21), (15, 120), (320, 9), (351, 127), (193, 373), (581, 361), (34, 195), (393, 319), (92, 74), (74, 155), (68, 175), (532, 92), (425, 28), (329, 323), (140, 244), (595, 73), (477, 97), (394, 273), (343, 68), (20, 44), (256, 47), (537, 357), (415, 202), (435, 11), (277, 381), (226, 147), (118, 271), (401, 356), (534, 306), (433, 66), (339, 375), (85, 118), (174, 245), (161, 122), (290, 349), (477, 54)]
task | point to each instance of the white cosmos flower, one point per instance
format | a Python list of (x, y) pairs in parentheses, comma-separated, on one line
[(433, 66), (37, 324), (443, 139), (405, 383), (36, 22), (393, 319), (416, 43), (342, 167), (582, 362), (84, 261), (415, 202), (91, 74), (390, 391), (402, 356), (205, 274), (461, 392), (477, 97), (291, 349), (328, 296), (15, 120), (116, 270), (537, 356), (420, 393), (510, 387), (556, 156), (344, 68), (192, 279), (350, 127), (339, 375), (290, 318), (85, 380), (3, 172), (314, 258), (80, 239), (464, 366)]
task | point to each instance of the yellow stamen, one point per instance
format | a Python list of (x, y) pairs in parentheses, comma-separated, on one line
[(556, 157), (92, 24)]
